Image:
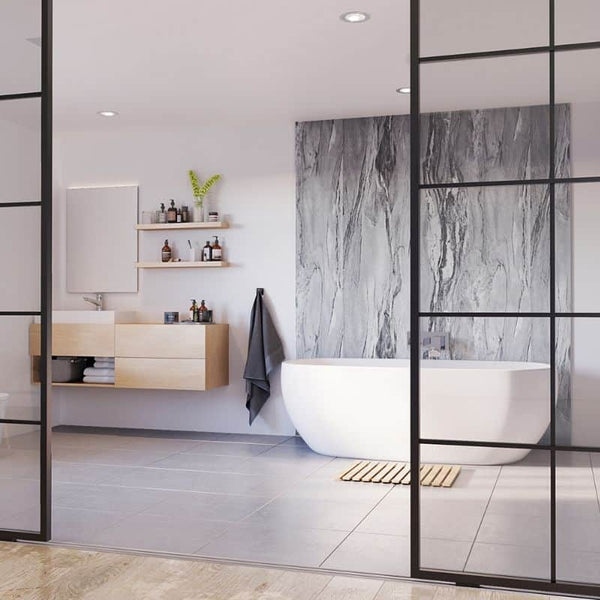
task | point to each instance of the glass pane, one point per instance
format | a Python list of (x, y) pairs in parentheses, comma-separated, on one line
[(577, 219), (577, 517), (577, 21), (494, 520), (20, 269), (19, 396), (20, 51), (485, 379), (19, 477), (578, 91), (20, 164), (579, 397), (486, 249), (488, 119), (456, 26)]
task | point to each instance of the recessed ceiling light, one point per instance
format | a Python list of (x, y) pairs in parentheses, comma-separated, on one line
[(108, 113), (355, 16), (403, 90)]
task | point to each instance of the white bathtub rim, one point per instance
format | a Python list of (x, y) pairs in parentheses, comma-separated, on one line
[(404, 363)]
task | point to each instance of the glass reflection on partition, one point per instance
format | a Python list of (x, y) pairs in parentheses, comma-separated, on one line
[(493, 520)]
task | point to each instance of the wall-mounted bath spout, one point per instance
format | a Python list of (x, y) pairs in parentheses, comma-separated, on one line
[(434, 345)]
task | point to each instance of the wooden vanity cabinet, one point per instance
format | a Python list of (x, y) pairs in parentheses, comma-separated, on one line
[(147, 356), (172, 356)]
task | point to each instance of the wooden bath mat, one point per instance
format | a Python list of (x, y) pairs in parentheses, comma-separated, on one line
[(399, 473)]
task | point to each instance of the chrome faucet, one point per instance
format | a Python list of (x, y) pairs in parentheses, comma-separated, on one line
[(434, 345), (98, 302)]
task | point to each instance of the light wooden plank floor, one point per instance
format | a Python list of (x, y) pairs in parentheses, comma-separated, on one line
[(32, 572)]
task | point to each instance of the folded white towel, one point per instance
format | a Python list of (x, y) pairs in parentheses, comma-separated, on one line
[(93, 372), (95, 379), (98, 364), (106, 359)]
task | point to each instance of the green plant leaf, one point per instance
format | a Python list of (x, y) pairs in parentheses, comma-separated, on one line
[(207, 185), (195, 183)]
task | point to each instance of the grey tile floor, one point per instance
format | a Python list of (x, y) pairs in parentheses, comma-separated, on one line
[(272, 500)]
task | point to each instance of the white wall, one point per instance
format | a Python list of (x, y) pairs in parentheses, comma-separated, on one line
[(256, 195)]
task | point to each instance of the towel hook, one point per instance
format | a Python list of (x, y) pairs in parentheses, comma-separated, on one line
[(260, 291)]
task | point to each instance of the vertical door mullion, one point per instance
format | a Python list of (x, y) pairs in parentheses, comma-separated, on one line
[(415, 325), (552, 216), (46, 274)]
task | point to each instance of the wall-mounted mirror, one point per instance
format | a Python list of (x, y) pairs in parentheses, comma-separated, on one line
[(102, 244)]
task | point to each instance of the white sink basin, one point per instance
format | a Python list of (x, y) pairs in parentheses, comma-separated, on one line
[(103, 317)]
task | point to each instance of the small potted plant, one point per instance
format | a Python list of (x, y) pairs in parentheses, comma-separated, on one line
[(200, 192)]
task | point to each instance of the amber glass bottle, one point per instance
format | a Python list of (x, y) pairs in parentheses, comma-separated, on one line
[(217, 251), (166, 254)]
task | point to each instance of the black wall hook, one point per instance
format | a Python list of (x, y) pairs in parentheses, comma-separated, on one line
[(260, 291)]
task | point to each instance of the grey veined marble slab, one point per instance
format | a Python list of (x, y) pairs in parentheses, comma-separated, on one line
[(482, 249)]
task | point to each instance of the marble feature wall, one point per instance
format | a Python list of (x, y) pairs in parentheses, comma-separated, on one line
[(482, 249)]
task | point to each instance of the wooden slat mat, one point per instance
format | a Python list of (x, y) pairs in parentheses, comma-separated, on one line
[(399, 473)]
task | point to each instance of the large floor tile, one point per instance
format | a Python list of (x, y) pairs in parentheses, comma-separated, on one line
[(311, 514), (514, 561), (213, 507), (391, 514), (577, 567), (242, 484), (273, 544), (516, 530), (444, 554), (19, 463), (79, 525), (203, 462), (153, 478), (105, 497), (334, 489), (449, 519), (237, 449), (108, 456), (82, 473), (578, 534), (372, 553), (161, 533)]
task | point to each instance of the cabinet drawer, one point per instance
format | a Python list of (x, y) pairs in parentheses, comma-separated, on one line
[(160, 341), (160, 373), (76, 339)]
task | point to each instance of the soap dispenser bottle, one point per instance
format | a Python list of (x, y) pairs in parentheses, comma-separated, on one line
[(217, 251), (172, 213), (162, 215)]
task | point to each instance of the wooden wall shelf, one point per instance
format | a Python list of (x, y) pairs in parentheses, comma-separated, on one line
[(176, 226), (214, 264)]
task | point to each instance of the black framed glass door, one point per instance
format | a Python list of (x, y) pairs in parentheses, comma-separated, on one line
[(505, 189), (26, 269)]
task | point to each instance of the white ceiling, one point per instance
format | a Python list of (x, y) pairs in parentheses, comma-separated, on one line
[(194, 62)]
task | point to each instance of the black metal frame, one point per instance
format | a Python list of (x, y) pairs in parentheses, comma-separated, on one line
[(45, 312), (465, 578)]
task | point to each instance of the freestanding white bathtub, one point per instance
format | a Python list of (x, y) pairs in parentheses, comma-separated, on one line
[(360, 408)]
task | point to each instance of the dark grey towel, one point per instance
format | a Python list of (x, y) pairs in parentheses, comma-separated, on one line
[(265, 352)]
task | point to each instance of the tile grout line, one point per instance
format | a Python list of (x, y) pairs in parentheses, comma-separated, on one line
[(482, 519), (357, 525)]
